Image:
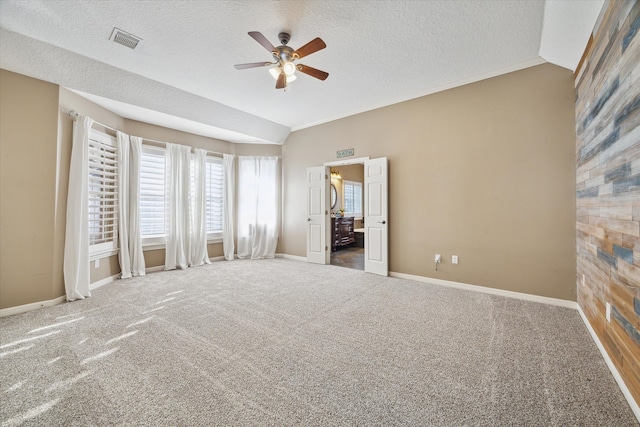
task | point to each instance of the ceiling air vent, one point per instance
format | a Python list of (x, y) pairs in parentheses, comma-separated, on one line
[(124, 38)]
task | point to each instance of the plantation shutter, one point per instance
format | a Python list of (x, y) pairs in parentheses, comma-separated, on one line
[(152, 192), (214, 205), (103, 191)]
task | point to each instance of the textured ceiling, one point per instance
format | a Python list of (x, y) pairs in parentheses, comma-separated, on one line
[(378, 53)]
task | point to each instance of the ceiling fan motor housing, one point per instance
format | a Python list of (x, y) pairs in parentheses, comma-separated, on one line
[(284, 53)]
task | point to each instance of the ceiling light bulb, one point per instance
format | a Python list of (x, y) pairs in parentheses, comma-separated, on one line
[(275, 73), (289, 68)]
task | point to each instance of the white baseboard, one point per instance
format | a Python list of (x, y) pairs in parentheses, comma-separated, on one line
[(161, 267), (32, 306), (103, 282), (486, 290), (294, 257), (616, 375)]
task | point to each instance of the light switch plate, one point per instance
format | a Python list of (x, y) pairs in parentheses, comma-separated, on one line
[(454, 259)]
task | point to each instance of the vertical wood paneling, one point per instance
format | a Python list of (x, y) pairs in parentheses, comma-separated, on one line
[(608, 185)]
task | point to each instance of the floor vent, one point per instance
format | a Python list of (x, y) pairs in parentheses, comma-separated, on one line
[(124, 38)]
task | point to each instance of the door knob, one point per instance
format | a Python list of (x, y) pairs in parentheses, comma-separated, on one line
[(382, 222), (308, 219)]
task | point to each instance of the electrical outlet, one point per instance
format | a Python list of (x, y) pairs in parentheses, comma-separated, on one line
[(454, 259), (438, 258), (608, 314), (97, 263)]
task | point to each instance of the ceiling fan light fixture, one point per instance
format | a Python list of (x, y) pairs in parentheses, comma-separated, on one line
[(289, 68), (284, 71), (275, 73)]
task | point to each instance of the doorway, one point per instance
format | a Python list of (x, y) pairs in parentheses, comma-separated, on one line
[(347, 216), (323, 222)]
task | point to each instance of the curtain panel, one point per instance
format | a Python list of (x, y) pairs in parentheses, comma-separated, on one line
[(130, 253), (186, 230), (229, 188), (257, 207), (76, 245), (123, 204), (135, 235), (177, 253), (198, 235)]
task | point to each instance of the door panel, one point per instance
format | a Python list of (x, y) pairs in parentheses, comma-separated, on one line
[(317, 215), (376, 211)]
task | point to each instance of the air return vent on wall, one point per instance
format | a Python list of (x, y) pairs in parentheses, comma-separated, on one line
[(124, 38)]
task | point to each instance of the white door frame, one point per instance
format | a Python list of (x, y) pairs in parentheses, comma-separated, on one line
[(357, 160)]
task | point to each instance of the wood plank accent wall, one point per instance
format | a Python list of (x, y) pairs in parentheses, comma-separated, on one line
[(608, 185)]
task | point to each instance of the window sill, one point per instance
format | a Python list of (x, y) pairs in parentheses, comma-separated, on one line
[(102, 254), (158, 246)]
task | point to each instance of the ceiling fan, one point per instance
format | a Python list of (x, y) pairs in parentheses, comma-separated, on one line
[(285, 57)]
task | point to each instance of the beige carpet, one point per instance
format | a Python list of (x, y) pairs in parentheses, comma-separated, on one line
[(281, 342)]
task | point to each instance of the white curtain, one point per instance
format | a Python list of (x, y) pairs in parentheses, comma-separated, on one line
[(129, 238), (123, 204), (76, 245), (177, 250), (229, 192), (198, 218), (135, 234), (257, 207)]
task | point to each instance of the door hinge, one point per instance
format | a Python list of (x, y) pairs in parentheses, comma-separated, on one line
[(326, 212), (326, 248)]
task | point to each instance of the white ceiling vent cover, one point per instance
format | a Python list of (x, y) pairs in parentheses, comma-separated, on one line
[(124, 38)]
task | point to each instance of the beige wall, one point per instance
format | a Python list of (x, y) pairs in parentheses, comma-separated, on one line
[(28, 129), (485, 171)]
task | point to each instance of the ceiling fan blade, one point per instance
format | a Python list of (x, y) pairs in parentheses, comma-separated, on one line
[(252, 65), (318, 74), (282, 81), (309, 48), (257, 36)]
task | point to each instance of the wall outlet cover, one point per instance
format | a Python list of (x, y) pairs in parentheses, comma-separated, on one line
[(454, 259)]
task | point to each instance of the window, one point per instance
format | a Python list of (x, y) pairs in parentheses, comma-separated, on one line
[(153, 201), (152, 193), (103, 193), (352, 198), (214, 205)]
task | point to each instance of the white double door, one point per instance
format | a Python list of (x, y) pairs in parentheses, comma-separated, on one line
[(375, 216)]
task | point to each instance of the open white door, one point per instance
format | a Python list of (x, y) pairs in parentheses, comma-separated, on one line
[(376, 258), (317, 215)]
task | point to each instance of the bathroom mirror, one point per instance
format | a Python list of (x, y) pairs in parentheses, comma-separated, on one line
[(334, 196)]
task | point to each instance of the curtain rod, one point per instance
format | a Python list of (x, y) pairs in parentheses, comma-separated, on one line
[(74, 115)]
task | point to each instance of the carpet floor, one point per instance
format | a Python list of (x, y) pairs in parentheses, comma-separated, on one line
[(281, 342)]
